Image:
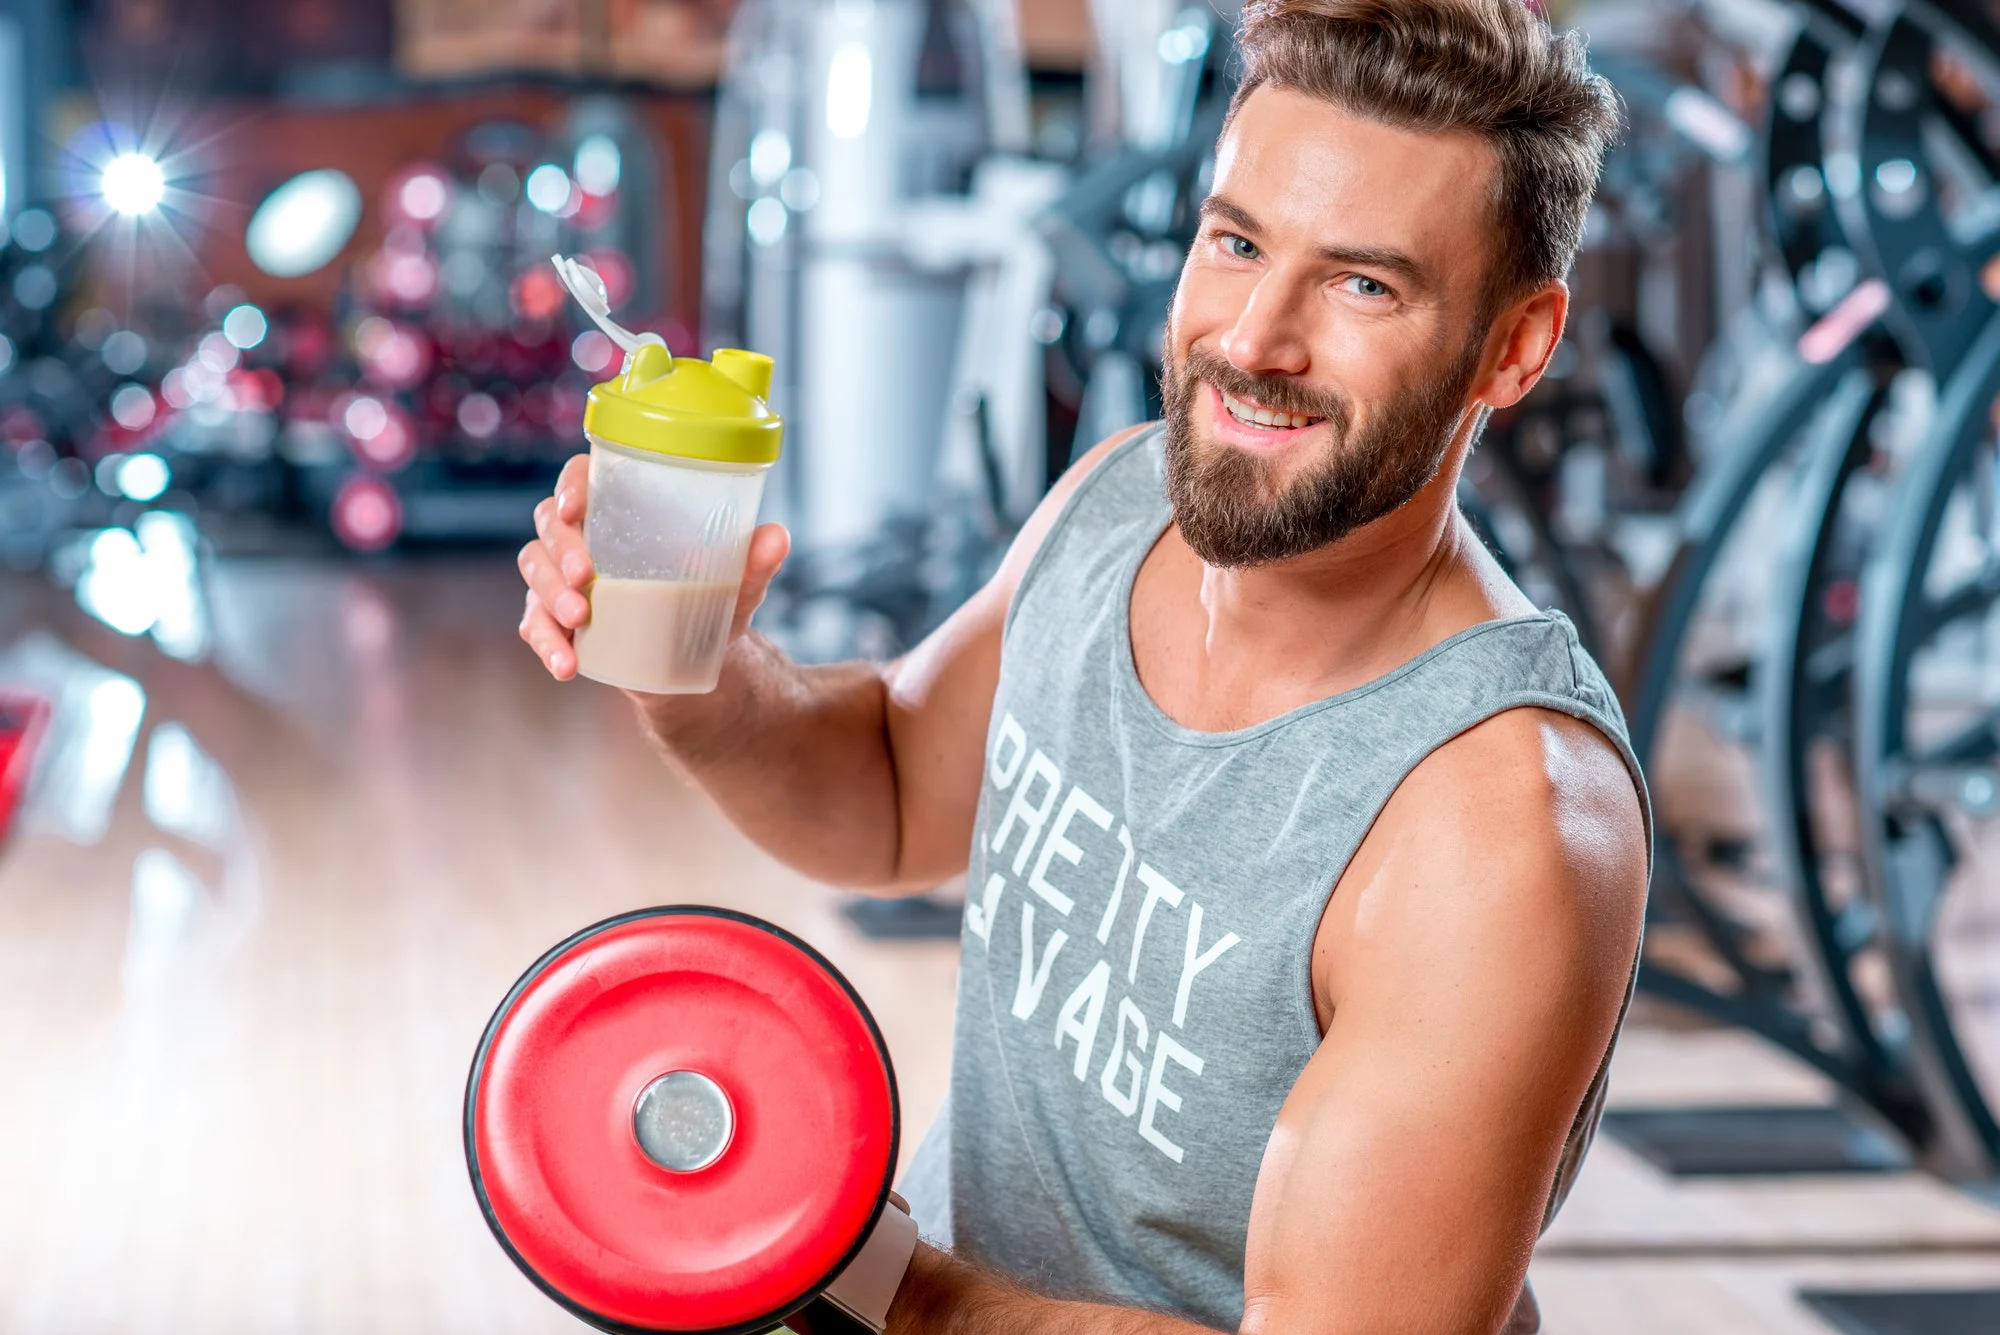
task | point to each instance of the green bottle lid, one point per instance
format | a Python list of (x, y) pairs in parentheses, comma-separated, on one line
[(688, 408)]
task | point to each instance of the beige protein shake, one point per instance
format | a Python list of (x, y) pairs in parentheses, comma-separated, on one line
[(658, 636)]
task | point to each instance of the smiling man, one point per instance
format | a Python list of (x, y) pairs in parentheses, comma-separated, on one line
[(1308, 859)]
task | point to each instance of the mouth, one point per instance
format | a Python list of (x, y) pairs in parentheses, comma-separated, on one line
[(1270, 419), (1247, 422)]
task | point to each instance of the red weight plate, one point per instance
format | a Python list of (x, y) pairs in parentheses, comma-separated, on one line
[(621, 1241)]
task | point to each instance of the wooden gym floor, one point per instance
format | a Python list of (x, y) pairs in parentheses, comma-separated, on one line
[(254, 922)]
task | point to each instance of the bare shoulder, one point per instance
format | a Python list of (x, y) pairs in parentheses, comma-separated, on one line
[(1542, 783), (1545, 798), (1522, 838)]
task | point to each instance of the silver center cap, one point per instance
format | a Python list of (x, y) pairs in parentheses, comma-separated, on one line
[(683, 1121)]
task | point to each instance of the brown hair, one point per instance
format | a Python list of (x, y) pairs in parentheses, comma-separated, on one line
[(1491, 68)]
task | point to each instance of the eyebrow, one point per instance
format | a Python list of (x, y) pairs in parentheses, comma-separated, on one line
[(1384, 258)]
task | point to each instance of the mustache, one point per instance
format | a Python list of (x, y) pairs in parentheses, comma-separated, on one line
[(1285, 394)]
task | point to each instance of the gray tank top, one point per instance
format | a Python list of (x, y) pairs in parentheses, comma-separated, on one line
[(1134, 996)]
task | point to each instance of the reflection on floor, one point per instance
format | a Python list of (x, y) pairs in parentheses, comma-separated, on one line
[(250, 932), (255, 917)]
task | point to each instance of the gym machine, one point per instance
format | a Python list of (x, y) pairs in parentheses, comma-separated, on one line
[(847, 221), (1885, 185), (1924, 694), (900, 515)]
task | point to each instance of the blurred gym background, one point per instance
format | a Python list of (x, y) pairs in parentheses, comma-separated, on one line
[(284, 368)]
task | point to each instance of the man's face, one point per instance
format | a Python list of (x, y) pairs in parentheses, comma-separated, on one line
[(1328, 328)]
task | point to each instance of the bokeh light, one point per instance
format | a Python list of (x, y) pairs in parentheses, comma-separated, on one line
[(304, 223), (367, 515), (404, 273), (549, 188), (479, 416), (34, 230), (539, 294), (593, 352), (124, 352), (245, 327), (767, 221), (390, 353), (770, 156), (144, 477), (424, 195), (850, 88), (380, 433), (599, 164), (218, 353), (132, 407), (36, 288), (364, 417)]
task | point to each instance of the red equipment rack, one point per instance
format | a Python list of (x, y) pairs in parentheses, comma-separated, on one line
[(24, 721)]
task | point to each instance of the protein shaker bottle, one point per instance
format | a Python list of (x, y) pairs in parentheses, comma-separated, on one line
[(678, 452)]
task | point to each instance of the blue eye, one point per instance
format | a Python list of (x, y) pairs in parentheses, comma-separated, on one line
[(1240, 248), (1368, 287)]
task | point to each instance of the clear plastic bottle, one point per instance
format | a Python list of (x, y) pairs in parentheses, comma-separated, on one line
[(679, 448)]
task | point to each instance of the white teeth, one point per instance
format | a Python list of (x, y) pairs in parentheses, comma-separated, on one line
[(1264, 417)]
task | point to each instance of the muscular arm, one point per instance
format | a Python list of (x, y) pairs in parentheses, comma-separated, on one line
[(1474, 959), (944, 1296), (860, 774), (1472, 966)]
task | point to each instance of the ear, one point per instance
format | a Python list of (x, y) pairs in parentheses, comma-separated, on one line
[(1522, 340)]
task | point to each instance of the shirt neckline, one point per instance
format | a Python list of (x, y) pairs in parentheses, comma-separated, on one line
[(1128, 664)]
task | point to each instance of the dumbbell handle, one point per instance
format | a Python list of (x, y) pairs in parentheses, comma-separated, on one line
[(859, 1298)]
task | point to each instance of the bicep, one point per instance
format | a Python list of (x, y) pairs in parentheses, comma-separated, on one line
[(1486, 949), (940, 701)]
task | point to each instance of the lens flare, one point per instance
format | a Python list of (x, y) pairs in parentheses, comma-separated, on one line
[(133, 184)]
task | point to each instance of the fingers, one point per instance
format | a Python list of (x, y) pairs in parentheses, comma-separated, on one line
[(550, 641), (558, 571), (573, 488), (551, 586), (564, 540), (769, 546)]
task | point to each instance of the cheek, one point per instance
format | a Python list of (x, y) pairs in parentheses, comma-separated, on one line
[(1207, 304), (1372, 360)]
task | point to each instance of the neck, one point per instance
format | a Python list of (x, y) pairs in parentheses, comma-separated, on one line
[(1344, 614)]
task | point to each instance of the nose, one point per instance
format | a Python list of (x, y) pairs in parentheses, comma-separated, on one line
[(1267, 338)]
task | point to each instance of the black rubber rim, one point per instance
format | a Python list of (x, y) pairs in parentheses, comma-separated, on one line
[(757, 1325)]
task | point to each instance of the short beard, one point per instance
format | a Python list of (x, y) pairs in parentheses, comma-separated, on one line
[(1230, 510)]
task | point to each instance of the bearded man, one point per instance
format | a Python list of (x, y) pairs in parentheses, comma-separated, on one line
[(1307, 857)]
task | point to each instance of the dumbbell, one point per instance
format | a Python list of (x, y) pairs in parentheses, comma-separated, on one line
[(685, 1119)]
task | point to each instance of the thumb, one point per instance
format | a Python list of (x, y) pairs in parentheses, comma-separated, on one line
[(769, 546)]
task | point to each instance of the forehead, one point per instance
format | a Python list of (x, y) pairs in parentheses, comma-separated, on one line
[(1314, 175)]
